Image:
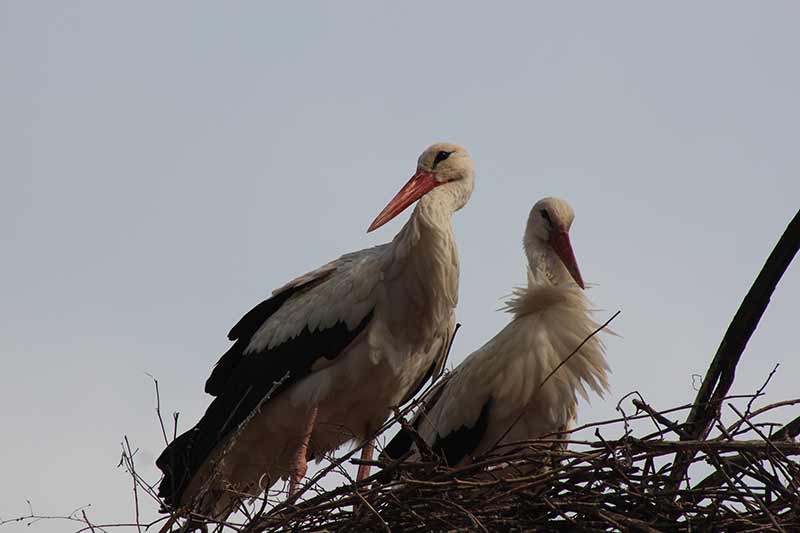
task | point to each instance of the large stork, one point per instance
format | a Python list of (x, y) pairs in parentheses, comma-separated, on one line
[(327, 357), (496, 395)]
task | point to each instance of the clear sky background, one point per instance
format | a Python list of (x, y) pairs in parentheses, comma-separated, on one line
[(165, 165)]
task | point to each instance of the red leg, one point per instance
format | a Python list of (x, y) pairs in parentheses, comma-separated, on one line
[(300, 466), (366, 455)]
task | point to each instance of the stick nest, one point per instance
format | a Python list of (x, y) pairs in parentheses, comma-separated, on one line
[(743, 479)]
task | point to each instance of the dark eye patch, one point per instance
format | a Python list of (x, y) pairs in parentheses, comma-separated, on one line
[(441, 156), (546, 216)]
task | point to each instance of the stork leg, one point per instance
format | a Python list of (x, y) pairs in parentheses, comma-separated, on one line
[(300, 466), (366, 455)]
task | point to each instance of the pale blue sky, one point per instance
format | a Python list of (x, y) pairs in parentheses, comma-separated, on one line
[(165, 165)]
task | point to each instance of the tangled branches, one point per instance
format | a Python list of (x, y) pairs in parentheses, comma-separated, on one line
[(750, 484)]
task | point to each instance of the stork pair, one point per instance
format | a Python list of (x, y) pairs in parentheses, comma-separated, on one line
[(329, 356)]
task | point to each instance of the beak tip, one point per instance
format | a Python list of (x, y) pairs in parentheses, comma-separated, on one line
[(563, 248), (419, 184)]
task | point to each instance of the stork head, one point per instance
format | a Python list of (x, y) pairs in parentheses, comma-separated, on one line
[(548, 230), (441, 164)]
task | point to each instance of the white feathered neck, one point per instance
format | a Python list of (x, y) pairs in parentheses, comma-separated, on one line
[(423, 268), (564, 313)]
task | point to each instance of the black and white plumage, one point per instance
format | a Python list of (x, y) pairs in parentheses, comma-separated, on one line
[(494, 396), (331, 352)]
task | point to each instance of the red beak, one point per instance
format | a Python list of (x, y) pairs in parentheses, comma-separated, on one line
[(559, 241), (420, 183)]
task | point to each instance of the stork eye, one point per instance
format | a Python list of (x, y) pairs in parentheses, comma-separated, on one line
[(441, 156), (546, 216)]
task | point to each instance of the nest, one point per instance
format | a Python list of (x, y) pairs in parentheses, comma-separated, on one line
[(750, 483)]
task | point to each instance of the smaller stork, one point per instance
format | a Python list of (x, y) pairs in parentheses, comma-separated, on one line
[(497, 396)]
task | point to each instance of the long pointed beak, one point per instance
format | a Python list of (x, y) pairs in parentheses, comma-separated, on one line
[(420, 183), (559, 241)]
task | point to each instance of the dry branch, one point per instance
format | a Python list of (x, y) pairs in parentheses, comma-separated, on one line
[(722, 370)]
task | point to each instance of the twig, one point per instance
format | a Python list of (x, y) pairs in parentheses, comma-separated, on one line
[(760, 390), (158, 410), (660, 418), (132, 469)]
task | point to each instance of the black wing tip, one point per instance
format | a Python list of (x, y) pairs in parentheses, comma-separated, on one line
[(215, 384), (169, 497), (175, 463), (221, 374), (399, 446)]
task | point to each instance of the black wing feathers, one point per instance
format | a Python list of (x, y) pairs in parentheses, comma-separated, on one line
[(242, 332), (459, 443), (240, 383), (453, 447)]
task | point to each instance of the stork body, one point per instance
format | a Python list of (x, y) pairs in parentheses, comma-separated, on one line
[(326, 358), (496, 395)]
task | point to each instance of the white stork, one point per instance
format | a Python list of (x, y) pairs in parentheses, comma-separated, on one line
[(327, 357), (494, 396)]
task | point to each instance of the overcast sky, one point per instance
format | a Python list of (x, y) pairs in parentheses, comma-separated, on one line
[(165, 165)]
